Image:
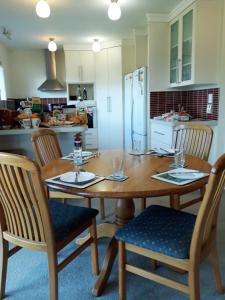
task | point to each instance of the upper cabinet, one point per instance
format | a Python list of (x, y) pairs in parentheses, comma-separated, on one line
[(80, 66), (193, 49)]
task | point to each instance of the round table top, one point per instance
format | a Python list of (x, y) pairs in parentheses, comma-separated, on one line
[(139, 169)]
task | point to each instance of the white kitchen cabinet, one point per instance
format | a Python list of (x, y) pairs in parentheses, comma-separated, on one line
[(161, 135), (80, 66), (91, 139), (193, 49), (109, 98)]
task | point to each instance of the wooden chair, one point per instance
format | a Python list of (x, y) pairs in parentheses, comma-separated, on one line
[(196, 140), (29, 220), (176, 238), (46, 148)]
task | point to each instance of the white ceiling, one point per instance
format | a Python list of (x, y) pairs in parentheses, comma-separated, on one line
[(74, 21)]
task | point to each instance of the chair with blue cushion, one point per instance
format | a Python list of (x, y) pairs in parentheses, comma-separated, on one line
[(29, 220), (178, 239), (46, 148)]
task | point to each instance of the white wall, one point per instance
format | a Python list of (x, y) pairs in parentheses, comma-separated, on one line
[(141, 43), (158, 58), (128, 59), (27, 73), (4, 60), (220, 141)]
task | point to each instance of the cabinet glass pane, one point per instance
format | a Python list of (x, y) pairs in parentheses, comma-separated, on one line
[(187, 25), (174, 34), (173, 76), (173, 57), (187, 46), (186, 72), (174, 52)]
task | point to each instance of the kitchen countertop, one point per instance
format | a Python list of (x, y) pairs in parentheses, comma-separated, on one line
[(210, 123), (16, 131)]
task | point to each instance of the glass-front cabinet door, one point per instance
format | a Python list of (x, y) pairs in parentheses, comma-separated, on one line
[(181, 44), (187, 33), (174, 67)]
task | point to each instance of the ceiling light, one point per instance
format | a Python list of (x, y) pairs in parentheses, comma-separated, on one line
[(96, 46), (114, 11), (43, 9), (52, 45)]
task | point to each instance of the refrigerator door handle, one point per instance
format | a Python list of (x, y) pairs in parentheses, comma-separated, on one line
[(132, 119), (109, 104)]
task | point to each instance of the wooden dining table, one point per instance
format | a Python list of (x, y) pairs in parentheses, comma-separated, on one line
[(139, 184)]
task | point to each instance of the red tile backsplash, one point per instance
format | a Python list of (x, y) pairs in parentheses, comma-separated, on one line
[(46, 101), (194, 103)]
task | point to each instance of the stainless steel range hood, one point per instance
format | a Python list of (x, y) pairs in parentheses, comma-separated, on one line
[(51, 83)]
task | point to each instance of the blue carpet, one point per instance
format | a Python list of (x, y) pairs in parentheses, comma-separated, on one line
[(27, 278)]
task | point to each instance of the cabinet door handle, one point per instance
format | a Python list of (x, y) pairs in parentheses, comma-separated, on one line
[(109, 105), (160, 133), (80, 73)]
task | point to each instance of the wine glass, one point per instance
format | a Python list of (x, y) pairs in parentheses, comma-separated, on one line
[(77, 159)]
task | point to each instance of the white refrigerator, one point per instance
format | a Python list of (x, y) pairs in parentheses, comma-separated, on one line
[(135, 109)]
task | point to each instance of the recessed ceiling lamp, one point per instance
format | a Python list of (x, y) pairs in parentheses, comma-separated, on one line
[(96, 46), (52, 45), (43, 9), (114, 11)]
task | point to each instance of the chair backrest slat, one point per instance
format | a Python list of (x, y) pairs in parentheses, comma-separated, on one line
[(23, 199), (206, 220), (46, 146), (196, 140)]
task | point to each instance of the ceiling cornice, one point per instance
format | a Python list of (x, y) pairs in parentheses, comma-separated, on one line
[(179, 8), (174, 13), (157, 17), (139, 31), (78, 47)]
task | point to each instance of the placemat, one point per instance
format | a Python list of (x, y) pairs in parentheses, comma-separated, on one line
[(165, 176), (78, 185)]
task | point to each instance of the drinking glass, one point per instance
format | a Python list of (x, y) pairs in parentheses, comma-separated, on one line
[(118, 167), (179, 158), (137, 146)]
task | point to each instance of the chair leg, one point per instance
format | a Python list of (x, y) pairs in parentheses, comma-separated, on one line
[(175, 201), (193, 280), (94, 248), (53, 274), (143, 204), (153, 264), (89, 202), (122, 272), (216, 268), (4, 245), (102, 208)]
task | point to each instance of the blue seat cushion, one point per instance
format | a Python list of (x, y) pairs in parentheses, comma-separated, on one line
[(66, 218), (160, 229)]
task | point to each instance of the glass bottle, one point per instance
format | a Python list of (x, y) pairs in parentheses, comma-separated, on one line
[(79, 96), (84, 94)]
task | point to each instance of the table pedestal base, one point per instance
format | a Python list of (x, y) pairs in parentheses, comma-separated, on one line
[(103, 230), (124, 213)]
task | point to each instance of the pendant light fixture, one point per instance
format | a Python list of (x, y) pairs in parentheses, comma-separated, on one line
[(43, 9), (52, 45), (114, 10), (96, 46)]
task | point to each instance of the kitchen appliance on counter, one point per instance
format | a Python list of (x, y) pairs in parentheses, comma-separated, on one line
[(7, 118), (136, 110)]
